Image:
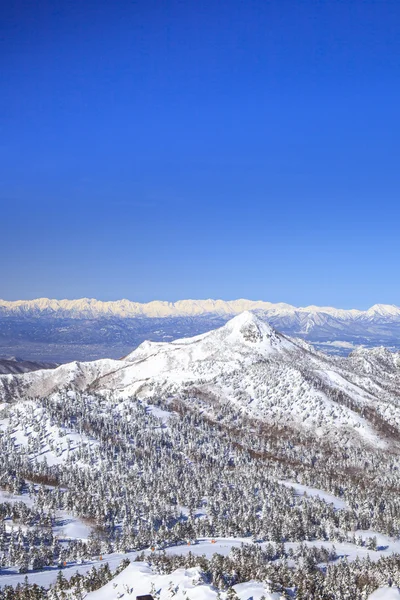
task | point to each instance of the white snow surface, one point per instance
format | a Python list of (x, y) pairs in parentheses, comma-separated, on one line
[(67, 526), (137, 580), (302, 490), (205, 547), (385, 593), (14, 498)]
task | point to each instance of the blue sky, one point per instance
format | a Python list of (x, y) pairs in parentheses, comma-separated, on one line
[(168, 149)]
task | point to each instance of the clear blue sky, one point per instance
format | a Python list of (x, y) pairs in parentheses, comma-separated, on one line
[(165, 149)]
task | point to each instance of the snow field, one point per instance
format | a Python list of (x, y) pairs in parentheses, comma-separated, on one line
[(183, 584)]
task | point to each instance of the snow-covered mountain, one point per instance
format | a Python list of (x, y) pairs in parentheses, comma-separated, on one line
[(91, 308), (245, 454), (252, 368), (86, 329)]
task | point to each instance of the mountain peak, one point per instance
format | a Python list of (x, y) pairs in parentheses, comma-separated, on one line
[(250, 327), (252, 333), (384, 310), (244, 318), (244, 335)]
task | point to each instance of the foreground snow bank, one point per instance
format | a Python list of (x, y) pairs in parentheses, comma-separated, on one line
[(385, 593), (138, 579)]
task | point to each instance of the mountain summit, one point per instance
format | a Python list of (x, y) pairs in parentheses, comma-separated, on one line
[(245, 334)]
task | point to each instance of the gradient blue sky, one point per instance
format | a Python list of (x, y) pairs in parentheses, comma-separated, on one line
[(165, 149)]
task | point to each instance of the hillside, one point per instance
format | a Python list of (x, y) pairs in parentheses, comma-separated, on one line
[(237, 459)]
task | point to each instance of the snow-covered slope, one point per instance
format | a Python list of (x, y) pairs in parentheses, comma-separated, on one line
[(43, 382), (139, 579), (253, 368), (385, 593), (375, 360)]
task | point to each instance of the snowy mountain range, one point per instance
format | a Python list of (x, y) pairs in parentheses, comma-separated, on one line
[(93, 309), (86, 329), (249, 366)]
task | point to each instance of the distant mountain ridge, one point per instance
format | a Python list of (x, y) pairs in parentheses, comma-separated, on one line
[(92, 308), (18, 365)]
